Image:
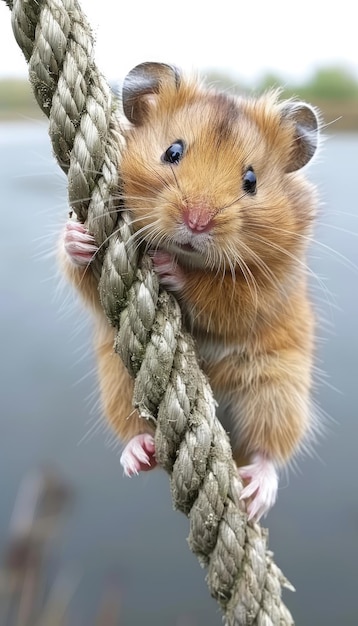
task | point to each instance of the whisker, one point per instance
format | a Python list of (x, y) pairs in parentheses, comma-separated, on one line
[(309, 239), (266, 271), (339, 229), (340, 213), (298, 263), (148, 234), (238, 199), (250, 281), (175, 178)]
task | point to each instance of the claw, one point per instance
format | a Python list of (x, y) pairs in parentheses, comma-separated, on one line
[(261, 487), (79, 244), (138, 455), (169, 272)]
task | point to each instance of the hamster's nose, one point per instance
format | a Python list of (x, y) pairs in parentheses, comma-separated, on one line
[(198, 218)]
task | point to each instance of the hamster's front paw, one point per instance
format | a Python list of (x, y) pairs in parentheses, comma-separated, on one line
[(79, 244), (261, 482), (169, 272), (138, 455)]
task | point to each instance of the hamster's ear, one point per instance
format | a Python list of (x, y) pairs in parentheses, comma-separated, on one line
[(305, 132), (143, 81)]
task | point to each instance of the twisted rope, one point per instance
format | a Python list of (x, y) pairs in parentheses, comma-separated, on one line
[(170, 388)]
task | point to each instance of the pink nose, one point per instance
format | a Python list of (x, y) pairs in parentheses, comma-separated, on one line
[(198, 219)]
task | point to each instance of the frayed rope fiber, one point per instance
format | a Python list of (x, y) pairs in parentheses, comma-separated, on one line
[(170, 388)]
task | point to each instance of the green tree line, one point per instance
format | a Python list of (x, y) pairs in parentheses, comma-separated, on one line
[(327, 83), (333, 89)]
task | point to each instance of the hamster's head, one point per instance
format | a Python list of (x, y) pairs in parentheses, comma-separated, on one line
[(214, 179)]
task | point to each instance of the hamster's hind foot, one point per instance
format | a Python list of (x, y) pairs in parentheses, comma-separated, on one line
[(79, 244), (261, 480), (138, 455)]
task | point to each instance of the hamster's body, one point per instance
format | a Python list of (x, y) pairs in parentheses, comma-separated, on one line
[(213, 186)]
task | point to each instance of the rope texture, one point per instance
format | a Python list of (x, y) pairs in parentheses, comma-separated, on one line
[(170, 388)]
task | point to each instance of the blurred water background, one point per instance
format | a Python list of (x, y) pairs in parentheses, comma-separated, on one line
[(123, 533)]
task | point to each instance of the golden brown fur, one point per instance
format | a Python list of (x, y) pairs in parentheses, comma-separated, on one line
[(245, 294)]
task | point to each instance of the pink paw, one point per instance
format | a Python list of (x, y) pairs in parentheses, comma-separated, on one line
[(79, 244), (261, 488), (169, 272), (138, 455)]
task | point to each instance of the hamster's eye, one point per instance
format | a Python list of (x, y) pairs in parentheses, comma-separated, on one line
[(174, 153), (249, 181)]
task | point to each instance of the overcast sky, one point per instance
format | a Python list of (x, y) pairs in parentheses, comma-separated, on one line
[(245, 39)]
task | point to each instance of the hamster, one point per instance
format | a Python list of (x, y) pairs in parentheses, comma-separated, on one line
[(213, 183)]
